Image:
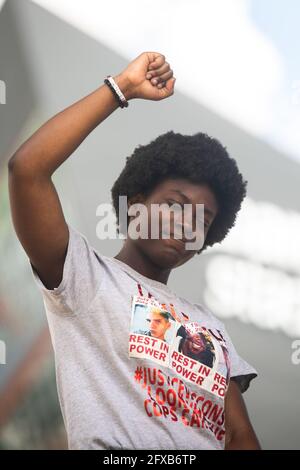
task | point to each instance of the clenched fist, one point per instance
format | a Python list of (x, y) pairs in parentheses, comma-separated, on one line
[(148, 76)]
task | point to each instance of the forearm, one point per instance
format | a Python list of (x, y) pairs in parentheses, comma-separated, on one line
[(60, 136), (243, 441)]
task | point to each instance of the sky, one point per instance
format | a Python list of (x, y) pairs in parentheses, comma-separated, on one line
[(279, 22), (281, 25)]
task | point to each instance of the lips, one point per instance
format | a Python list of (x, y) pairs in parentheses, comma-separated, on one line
[(198, 347)]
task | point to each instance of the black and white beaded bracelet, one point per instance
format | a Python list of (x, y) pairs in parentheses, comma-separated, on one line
[(110, 82)]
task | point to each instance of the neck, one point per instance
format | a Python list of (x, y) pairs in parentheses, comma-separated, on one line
[(137, 260)]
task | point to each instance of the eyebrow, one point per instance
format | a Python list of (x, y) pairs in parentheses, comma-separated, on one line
[(188, 200)]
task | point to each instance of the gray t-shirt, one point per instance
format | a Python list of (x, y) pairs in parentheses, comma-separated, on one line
[(137, 367)]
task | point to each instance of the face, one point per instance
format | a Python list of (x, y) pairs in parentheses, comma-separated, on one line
[(169, 253), (158, 325), (193, 344)]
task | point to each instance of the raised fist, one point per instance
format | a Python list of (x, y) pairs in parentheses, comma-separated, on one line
[(148, 76)]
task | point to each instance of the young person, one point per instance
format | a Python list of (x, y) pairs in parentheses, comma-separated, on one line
[(119, 389)]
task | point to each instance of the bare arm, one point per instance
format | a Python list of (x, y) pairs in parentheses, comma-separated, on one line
[(239, 431), (36, 210)]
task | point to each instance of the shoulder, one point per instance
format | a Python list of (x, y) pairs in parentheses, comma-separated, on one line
[(210, 316)]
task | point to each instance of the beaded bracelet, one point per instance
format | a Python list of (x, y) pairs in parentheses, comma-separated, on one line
[(109, 81)]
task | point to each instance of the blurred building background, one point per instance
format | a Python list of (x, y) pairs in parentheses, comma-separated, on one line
[(239, 85)]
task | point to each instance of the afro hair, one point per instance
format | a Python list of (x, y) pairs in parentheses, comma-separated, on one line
[(200, 159)]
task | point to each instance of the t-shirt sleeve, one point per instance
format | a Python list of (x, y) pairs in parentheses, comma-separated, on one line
[(82, 275), (240, 370)]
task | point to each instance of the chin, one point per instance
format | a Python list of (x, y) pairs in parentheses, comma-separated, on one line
[(168, 254)]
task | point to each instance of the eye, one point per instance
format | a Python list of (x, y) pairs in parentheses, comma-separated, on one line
[(170, 203)]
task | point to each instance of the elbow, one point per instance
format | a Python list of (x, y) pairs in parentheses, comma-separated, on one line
[(246, 440), (11, 163), (25, 166), (17, 164), (21, 167)]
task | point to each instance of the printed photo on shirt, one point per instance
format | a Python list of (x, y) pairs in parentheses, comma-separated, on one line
[(196, 343), (197, 356), (151, 320), (152, 330), (193, 352)]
